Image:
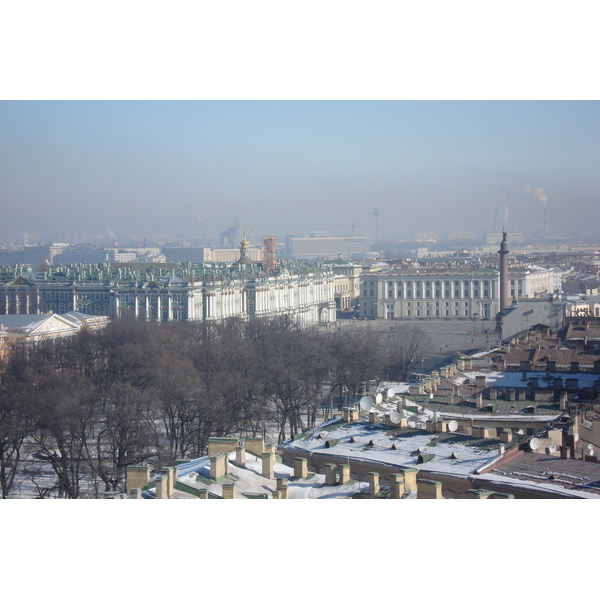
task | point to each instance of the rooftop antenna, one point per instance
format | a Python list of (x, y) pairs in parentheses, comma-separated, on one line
[(376, 214)]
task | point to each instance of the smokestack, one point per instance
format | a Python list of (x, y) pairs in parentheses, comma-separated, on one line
[(546, 219)]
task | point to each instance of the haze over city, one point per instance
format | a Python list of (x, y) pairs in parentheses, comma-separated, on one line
[(177, 123), (165, 168)]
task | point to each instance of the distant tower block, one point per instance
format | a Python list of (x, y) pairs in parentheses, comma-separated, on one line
[(270, 254)]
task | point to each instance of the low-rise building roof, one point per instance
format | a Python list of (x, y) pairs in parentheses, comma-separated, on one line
[(394, 447), (250, 483), (563, 477)]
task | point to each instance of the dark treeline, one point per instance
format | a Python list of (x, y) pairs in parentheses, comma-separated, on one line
[(88, 407)]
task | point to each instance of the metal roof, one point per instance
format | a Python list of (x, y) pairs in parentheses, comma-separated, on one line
[(500, 406), (23, 321)]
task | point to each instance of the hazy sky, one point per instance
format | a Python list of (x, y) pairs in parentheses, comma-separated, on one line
[(287, 167)]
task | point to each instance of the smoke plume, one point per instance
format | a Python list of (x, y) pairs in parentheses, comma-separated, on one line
[(536, 194)]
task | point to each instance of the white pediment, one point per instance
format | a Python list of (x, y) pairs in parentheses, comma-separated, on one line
[(54, 324), (22, 282)]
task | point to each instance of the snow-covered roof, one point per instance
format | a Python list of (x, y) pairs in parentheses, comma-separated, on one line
[(566, 477), (514, 379), (23, 321), (249, 480), (375, 443), (80, 318)]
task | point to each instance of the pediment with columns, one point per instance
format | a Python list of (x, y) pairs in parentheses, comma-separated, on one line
[(23, 282), (54, 324)]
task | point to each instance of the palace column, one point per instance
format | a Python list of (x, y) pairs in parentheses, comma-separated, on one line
[(135, 304), (503, 252), (115, 297), (190, 306)]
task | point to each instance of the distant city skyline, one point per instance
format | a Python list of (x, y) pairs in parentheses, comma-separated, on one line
[(376, 168)]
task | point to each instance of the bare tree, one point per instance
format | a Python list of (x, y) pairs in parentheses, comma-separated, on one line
[(408, 347), (358, 358), (16, 422), (64, 419), (147, 393)]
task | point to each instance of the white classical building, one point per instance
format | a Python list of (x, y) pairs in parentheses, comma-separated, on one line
[(191, 293), (447, 293), (534, 281), (28, 328), (400, 294)]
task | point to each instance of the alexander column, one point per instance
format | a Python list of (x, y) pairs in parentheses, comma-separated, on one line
[(504, 300)]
